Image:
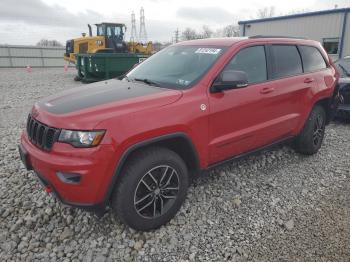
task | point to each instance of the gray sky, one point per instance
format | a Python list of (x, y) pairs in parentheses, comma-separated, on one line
[(28, 21)]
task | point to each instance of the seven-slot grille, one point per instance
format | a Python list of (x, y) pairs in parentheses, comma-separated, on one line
[(41, 135)]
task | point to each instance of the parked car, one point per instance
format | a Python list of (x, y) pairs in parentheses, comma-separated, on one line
[(135, 144), (343, 66)]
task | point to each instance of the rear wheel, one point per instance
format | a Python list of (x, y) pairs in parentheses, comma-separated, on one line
[(152, 189), (311, 137)]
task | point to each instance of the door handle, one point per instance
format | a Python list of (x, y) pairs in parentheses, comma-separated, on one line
[(267, 90), (308, 80)]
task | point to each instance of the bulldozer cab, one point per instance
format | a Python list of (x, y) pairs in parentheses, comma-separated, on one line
[(111, 29), (114, 36)]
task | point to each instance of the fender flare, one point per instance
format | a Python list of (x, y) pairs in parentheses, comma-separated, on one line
[(141, 144)]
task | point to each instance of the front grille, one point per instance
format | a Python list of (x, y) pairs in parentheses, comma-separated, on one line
[(69, 47), (41, 135), (83, 48)]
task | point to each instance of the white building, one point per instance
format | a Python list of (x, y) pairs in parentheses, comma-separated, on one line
[(329, 27)]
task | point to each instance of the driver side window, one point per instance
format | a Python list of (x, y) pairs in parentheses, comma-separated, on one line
[(252, 61)]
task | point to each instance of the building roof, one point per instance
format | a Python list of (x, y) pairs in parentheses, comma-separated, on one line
[(324, 12)]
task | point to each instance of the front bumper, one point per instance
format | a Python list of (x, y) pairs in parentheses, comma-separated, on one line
[(95, 165), (343, 111)]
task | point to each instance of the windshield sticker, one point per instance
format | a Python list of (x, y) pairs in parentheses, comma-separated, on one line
[(212, 51), (183, 82)]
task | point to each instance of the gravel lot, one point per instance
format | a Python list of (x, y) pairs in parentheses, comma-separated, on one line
[(276, 206)]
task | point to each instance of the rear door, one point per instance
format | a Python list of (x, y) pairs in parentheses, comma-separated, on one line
[(291, 86), (316, 70)]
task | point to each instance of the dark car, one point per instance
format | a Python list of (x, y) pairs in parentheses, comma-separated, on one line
[(343, 66)]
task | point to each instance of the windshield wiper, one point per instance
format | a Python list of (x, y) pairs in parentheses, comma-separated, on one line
[(147, 81)]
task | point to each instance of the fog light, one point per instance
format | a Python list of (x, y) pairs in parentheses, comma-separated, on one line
[(69, 178)]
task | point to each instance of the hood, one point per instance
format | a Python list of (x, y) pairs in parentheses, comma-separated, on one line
[(344, 80), (98, 94), (89, 104)]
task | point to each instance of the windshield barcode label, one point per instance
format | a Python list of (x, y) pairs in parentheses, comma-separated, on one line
[(212, 51)]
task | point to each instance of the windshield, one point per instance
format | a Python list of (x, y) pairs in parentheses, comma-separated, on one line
[(343, 66), (176, 67), (100, 30)]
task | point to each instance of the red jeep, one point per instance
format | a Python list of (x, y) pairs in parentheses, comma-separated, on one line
[(134, 144)]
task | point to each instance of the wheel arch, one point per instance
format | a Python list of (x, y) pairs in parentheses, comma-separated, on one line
[(326, 104), (179, 142)]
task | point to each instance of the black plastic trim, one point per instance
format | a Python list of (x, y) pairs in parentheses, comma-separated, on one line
[(249, 153), (148, 142), (98, 209)]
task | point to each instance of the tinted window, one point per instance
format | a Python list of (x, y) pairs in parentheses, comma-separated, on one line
[(287, 60), (251, 60), (312, 58)]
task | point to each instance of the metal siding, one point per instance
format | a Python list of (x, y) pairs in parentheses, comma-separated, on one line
[(25, 52), (52, 62), (312, 27), (4, 62), (52, 53), (21, 56), (346, 47), (4, 51)]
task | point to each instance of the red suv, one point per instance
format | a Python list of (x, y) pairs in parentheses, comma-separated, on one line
[(135, 144)]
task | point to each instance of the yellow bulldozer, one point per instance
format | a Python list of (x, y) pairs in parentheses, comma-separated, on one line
[(109, 38)]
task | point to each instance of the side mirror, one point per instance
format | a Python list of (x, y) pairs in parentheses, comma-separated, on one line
[(229, 79)]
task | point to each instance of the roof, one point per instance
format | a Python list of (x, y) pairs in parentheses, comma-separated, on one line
[(110, 23), (229, 41), (324, 12), (224, 41)]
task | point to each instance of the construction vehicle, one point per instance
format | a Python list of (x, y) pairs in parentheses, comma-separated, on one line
[(109, 39)]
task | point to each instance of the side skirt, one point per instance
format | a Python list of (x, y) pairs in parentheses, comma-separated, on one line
[(246, 154)]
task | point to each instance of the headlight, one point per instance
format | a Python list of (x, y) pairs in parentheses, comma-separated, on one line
[(81, 138)]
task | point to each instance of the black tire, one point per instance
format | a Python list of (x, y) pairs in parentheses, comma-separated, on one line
[(310, 138), (131, 188), (77, 78)]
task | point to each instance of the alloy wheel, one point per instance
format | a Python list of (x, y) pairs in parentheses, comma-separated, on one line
[(318, 130), (156, 191)]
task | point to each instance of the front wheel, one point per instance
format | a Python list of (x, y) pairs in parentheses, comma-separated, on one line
[(311, 137), (152, 189)]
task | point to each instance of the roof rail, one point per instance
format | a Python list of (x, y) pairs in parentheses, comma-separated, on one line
[(275, 36)]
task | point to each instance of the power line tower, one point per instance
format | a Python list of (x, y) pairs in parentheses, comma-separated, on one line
[(133, 34), (143, 33), (176, 35)]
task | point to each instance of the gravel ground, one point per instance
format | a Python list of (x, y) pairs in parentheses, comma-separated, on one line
[(275, 206)]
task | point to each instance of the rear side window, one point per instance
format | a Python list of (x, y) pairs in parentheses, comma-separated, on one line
[(312, 58), (287, 61), (252, 61)]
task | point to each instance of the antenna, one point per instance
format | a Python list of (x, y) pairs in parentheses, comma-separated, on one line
[(133, 34), (143, 33)]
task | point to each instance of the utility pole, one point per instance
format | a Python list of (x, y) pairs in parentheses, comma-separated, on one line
[(133, 34), (143, 33)]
